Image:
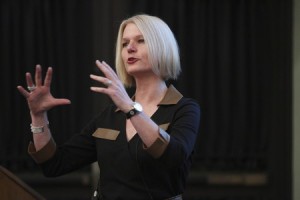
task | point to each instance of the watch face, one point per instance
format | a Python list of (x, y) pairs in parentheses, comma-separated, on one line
[(131, 113), (138, 107)]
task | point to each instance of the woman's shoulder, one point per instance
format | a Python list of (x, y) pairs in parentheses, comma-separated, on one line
[(190, 102)]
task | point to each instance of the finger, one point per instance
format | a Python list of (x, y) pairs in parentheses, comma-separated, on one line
[(48, 77), (107, 71), (29, 79), (23, 91), (38, 75), (112, 72), (103, 80), (100, 90), (63, 101), (102, 68)]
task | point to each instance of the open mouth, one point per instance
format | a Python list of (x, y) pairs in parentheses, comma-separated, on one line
[(131, 60)]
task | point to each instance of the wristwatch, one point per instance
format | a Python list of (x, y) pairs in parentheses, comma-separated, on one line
[(136, 108)]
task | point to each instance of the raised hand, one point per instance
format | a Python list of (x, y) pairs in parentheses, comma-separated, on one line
[(39, 97), (114, 87)]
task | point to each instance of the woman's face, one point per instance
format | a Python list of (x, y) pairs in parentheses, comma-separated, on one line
[(134, 51)]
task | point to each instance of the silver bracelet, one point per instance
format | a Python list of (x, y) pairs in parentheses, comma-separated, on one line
[(38, 129)]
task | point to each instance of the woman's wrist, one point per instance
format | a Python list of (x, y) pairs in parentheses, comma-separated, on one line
[(39, 120), (127, 107)]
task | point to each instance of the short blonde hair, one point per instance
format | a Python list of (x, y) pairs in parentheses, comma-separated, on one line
[(163, 51)]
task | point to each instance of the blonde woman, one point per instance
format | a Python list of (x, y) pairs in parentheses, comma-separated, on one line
[(143, 144)]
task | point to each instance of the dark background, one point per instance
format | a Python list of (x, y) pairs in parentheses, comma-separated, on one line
[(237, 63)]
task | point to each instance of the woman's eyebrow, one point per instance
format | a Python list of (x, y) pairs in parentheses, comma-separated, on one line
[(135, 37)]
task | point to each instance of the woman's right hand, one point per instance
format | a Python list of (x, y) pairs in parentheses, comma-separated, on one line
[(40, 99)]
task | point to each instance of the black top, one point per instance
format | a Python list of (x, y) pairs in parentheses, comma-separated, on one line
[(128, 170)]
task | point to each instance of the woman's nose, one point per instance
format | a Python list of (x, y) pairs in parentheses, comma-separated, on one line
[(131, 47)]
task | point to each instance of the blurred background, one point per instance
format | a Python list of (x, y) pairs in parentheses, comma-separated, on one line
[(240, 61)]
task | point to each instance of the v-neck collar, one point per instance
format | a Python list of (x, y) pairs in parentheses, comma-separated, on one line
[(171, 97)]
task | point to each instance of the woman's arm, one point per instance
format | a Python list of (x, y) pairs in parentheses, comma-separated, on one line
[(40, 100)]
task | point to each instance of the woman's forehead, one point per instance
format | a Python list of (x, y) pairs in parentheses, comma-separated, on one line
[(131, 30)]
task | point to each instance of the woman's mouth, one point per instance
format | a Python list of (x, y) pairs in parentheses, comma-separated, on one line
[(131, 60)]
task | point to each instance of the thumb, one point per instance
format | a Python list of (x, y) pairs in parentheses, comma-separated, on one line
[(62, 102)]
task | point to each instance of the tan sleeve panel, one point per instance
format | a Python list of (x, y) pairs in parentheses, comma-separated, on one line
[(164, 126), (105, 133), (44, 154), (159, 145)]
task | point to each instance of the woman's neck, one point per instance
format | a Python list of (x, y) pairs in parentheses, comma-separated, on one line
[(151, 92)]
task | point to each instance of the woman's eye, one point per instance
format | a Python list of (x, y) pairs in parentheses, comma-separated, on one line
[(141, 41), (124, 44)]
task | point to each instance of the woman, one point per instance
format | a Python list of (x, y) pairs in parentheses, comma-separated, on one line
[(143, 144)]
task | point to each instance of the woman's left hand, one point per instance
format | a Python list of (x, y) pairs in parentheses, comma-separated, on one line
[(114, 87)]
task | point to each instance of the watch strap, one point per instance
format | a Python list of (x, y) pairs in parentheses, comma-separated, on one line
[(131, 113)]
